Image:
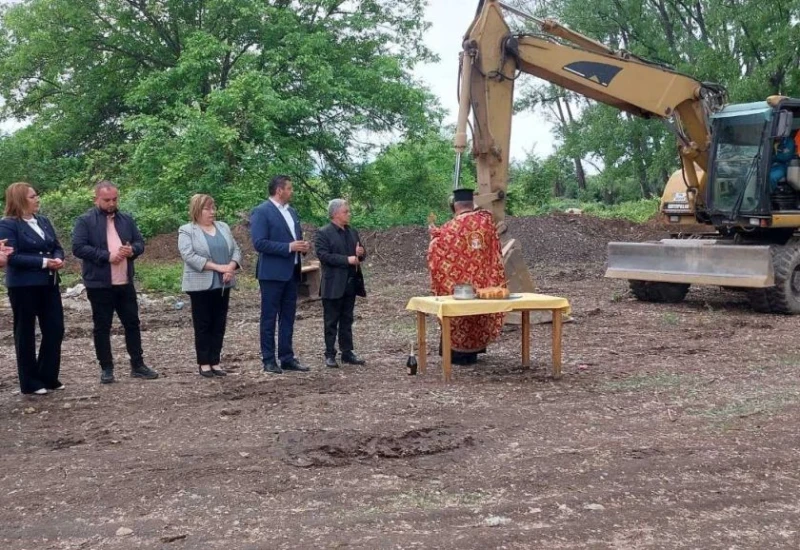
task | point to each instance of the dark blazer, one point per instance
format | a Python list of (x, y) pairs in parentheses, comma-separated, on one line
[(271, 237), (89, 243), (333, 256), (25, 264)]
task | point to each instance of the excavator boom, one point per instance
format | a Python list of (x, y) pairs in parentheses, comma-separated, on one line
[(491, 60)]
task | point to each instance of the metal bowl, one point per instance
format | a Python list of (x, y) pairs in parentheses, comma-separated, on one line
[(463, 292)]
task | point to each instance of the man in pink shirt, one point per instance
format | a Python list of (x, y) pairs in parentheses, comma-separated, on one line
[(107, 241)]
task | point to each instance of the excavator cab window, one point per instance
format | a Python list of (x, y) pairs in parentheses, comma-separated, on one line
[(738, 143), (783, 124)]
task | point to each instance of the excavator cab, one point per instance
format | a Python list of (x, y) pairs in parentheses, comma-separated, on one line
[(754, 167), (752, 199)]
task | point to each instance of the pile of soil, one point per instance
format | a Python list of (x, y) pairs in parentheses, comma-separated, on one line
[(555, 239), (570, 239)]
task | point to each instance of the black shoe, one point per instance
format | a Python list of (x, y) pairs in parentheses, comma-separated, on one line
[(463, 358), (331, 363), (143, 371), (294, 364), (107, 376), (218, 372), (272, 368), (352, 359), (205, 373)]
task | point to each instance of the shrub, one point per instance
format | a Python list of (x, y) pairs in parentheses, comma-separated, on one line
[(159, 277), (63, 206)]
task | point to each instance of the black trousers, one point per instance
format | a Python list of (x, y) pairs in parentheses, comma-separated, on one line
[(29, 304), (338, 318), (209, 316), (122, 300)]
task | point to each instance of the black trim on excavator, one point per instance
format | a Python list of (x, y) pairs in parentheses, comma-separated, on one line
[(599, 73)]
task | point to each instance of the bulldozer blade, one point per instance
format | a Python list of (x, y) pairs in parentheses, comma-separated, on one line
[(692, 261)]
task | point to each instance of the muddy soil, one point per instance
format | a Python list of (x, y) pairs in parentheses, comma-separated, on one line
[(674, 426)]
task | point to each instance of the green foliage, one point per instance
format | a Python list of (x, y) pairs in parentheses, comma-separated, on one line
[(406, 182), (63, 206), (159, 277), (69, 279), (638, 211), (156, 220), (533, 181), (175, 97)]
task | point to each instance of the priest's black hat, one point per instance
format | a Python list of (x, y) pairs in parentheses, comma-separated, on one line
[(462, 195)]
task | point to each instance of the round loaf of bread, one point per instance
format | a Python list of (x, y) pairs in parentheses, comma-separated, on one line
[(493, 293)]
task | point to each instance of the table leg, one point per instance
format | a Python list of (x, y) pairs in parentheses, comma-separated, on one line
[(557, 324), (446, 349), (421, 347), (526, 338)]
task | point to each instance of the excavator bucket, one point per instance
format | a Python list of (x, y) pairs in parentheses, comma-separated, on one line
[(517, 274), (520, 280), (692, 261)]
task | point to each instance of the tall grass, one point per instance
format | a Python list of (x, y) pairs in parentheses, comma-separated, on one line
[(638, 211)]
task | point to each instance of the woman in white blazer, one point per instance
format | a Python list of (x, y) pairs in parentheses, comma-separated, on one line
[(211, 258)]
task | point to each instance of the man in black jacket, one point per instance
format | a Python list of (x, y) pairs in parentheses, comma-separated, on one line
[(108, 241), (340, 253)]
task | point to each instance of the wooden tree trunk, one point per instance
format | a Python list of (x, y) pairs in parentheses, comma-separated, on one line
[(579, 172)]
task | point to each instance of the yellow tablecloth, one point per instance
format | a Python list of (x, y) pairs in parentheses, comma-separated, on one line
[(447, 306)]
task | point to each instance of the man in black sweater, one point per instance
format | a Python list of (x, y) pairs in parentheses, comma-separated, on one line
[(107, 242), (340, 253)]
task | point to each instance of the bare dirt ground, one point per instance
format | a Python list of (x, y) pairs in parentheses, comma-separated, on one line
[(674, 426)]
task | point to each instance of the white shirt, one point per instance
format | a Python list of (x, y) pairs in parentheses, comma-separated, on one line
[(35, 226), (287, 216), (39, 231)]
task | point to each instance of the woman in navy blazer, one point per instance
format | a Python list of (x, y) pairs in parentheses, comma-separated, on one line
[(32, 281)]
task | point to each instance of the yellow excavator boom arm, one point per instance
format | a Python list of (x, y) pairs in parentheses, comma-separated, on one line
[(493, 57)]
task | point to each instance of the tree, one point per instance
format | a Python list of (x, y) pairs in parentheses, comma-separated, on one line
[(748, 46), (409, 180), (172, 97), (534, 182)]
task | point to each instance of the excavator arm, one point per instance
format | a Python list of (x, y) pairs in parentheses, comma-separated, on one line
[(493, 57)]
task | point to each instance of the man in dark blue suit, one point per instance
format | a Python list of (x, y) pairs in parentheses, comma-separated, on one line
[(278, 239)]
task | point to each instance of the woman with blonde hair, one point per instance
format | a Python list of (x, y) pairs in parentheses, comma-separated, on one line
[(211, 257), (32, 281)]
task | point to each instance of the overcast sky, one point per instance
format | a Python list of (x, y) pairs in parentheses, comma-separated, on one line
[(450, 20)]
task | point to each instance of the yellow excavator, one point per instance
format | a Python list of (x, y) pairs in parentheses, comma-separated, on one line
[(739, 175)]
